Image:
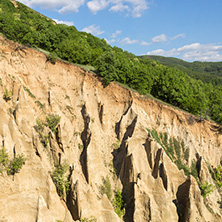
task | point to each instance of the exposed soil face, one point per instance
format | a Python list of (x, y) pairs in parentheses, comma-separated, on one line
[(102, 134)]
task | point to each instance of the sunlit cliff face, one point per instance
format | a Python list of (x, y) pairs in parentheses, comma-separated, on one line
[(105, 141)]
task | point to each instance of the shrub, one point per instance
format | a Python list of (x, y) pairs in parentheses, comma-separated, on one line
[(91, 219), (51, 58), (206, 189), (16, 164), (118, 203), (52, 121), (11, 166), (44, 139), (7, 95), (3, 157), (106, 188), (217, 175), (60, 178)]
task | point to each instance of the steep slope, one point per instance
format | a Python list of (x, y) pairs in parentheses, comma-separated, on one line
[(103, 136), (26, 26)]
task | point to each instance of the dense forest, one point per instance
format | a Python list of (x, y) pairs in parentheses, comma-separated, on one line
[(209, 72), (170, 84)]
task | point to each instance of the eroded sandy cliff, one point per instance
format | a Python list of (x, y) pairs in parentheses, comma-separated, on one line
[(102, 134)]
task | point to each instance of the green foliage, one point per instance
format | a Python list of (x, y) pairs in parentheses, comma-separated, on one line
[(51, 58), (4, 160), (44, 139), (80, 146), (118, 203), (206, 189), (7, 95), (29, 92), (176, 151), (40, 104), (16, 164), (116, 145), (105, 188), (193, 171), (91, 219), (60, 178), (217, 176), (11, 166), (52, 121), (208, 72)]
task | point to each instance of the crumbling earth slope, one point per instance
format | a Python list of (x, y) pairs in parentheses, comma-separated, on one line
[(106, 136)]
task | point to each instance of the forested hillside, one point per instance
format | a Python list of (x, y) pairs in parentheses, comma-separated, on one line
[(209, 72), (169, 84)]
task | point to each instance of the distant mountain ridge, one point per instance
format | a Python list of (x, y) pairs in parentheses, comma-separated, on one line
[(209, 72)]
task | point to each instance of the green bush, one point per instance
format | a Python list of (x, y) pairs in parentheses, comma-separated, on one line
[(16, 164), (206, 189), (51, 58), (91, 219), (11, 166), (7, 95), (217, 176), (106, 187), (44, 139), (118, 203), (60, 179), (3, 159), (52, 121)]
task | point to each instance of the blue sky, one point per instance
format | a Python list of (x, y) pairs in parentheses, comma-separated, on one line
[(186, 29)]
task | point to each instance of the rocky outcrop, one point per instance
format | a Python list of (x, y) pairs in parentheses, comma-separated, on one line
[(102, 133)]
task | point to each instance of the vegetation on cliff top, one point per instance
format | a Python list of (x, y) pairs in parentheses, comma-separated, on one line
[(169, 84), (208, 72)]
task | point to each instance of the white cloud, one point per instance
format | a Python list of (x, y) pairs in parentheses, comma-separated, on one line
[(63, 22), (64, 6), (110, 41), (194, 52), (119, 8), (182, 35), (159, 38), (193, 46), (145, 43), (133, 7), (128, 41), (114, 35), (94, 30), (97, 5)]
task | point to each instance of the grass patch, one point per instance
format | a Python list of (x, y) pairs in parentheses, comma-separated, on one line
[(117, 201), (39, 104), (105, 188), (52, 121), (29, 92), (176, 151)]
